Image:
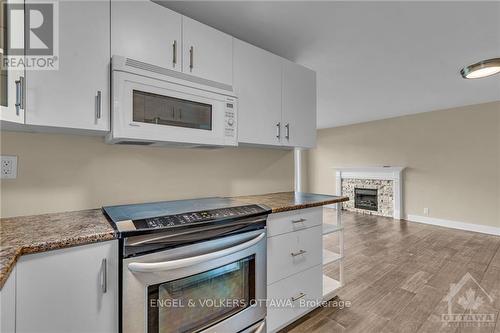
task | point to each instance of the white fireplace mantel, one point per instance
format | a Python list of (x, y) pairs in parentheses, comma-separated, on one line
[(380, 173)]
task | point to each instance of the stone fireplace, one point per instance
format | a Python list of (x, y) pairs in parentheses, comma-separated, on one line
[(374, 190)]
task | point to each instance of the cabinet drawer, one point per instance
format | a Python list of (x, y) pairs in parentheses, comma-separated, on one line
[(280, 223), (293, 252), (281, 310)]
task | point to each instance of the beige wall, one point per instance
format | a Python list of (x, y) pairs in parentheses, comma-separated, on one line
[(65, 172), (452, 156)]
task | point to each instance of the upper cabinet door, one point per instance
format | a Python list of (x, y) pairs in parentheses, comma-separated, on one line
[(77, 94), (145, 31), (299, 106), (207, 52), (11, 79), (257, 82)]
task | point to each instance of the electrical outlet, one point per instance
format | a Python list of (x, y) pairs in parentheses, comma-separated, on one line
[(426, 211), (9, 167)]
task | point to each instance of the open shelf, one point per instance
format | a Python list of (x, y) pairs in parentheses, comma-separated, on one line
[(330, 287), (330, 228), (330, 256)]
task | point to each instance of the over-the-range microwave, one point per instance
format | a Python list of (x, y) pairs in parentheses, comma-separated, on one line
[(156, 106)]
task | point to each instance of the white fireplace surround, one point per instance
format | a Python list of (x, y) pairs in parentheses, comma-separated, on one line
[(380, 173)]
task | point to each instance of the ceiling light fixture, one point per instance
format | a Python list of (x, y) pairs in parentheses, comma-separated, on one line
[(481, 69)]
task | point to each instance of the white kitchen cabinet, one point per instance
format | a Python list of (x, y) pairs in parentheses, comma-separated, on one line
[(257, 82), (299, 106), (76, 96), (8, 304), (11, 80), (147, 32), (207, 52), (69, 290), (294, 265), (300, 293)]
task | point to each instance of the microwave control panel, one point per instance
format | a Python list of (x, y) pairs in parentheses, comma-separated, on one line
[(230, 121)]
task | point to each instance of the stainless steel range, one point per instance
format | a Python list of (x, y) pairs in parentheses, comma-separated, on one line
[(192, 266)]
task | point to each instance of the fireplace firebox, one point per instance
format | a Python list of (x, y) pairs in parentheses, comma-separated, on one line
[(366, 198)]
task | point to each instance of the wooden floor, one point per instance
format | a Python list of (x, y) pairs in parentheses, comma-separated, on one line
[(398, 274)]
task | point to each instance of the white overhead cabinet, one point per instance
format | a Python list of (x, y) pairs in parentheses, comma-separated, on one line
[(145, 31), (68, 290), (276, 99), (11, 80), (257, 82), (207, 52), (76, 96), (299, 105)]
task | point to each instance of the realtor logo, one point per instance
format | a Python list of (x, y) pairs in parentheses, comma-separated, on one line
[(32, 35), (468, 305)]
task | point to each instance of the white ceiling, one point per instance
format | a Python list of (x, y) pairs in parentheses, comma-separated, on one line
[(373, 60)]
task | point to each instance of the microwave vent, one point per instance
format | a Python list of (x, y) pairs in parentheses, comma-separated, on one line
[(170, 73), (135, 143)]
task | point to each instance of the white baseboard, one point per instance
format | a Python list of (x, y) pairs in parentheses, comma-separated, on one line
[(484, 229)]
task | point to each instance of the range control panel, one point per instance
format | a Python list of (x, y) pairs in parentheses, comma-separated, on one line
[(197, 217)]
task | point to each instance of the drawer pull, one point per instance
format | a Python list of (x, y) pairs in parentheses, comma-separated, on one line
[(301, 295), (294, 254), (299, 220)]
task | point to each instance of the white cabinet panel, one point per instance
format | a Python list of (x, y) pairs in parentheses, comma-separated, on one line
[(299, 106), (293, 252), (207, 52), (11, 80), (62, 290), (145, 31), (8, 304), (67, 97), (257, 82), (306, 286), (280, 223)]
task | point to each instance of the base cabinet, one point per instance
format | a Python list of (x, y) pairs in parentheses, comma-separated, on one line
[(68, 290), (8, 304), (294, 265)]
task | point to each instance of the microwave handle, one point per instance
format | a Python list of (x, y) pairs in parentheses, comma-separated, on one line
[(149, 267)]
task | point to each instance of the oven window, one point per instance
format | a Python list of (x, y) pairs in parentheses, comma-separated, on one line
[(163, 110), (196, 302)]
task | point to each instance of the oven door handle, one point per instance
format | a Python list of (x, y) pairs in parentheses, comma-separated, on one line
[(149, 267)]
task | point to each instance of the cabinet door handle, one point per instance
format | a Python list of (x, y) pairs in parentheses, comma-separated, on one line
[(299, 220), (19, 95), (98, 104), (278, 130), (104, 275), (191, 58), (294, 254), (287, 131), (174, 54), (299, 296)]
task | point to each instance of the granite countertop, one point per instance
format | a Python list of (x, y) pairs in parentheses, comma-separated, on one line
[(285, 201), (40, 233)]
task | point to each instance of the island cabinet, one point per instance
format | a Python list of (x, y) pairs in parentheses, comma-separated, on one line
[(276, 99), (68, 290), (294, 265)]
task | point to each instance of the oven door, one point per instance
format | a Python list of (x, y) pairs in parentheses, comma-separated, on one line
[(152, 110), (212, 286)]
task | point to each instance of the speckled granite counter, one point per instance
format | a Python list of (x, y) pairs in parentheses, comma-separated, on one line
[(39, 233), (285, 201)]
